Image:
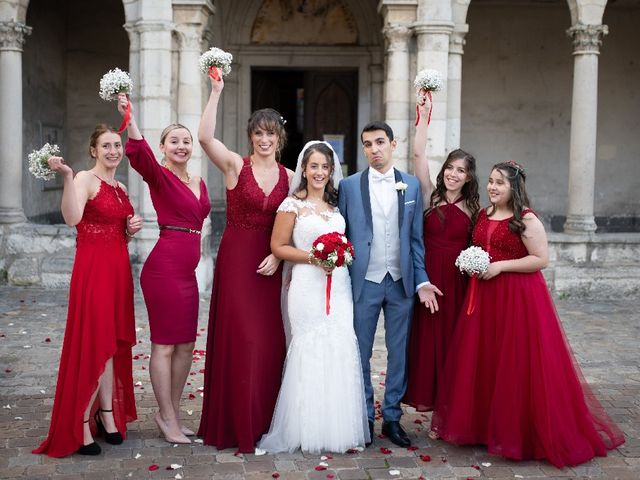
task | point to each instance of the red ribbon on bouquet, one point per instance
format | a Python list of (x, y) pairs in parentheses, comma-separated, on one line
[(430, 109), (213, 73), (472, 295), (127, 117), (328, 294)]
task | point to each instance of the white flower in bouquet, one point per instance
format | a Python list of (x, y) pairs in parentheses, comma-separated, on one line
[(38, 161), (216, 57), (114, 82), (473, 260), (429, 80)]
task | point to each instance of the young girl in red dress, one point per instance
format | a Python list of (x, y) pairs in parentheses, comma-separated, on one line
[(246, 341), (95, 381), (511, 381)]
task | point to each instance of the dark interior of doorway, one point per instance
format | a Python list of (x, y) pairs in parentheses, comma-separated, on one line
[(314, 103)]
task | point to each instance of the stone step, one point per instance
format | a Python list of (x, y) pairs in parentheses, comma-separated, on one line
[(599, 282)]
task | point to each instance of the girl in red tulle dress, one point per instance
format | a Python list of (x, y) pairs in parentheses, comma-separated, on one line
[(511, 381), (246, 341), (95, 381), (453, 203)]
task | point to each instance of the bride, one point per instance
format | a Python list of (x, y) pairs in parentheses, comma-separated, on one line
[(321, 405)]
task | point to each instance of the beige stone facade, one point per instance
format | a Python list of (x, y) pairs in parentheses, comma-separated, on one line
[(551, 84)]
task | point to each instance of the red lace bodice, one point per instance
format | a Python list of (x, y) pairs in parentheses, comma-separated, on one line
[(247, 205), (105, 217), (495, 237)]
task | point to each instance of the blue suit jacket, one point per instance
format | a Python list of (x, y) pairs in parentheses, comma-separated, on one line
[(354, 203)]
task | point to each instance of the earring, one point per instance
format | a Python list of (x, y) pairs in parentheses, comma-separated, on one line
[(304, 175)]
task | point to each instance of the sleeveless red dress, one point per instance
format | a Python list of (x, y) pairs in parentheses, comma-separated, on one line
[(246, 342), (511, 381), (168, 277), (100, 324), (431, 333)]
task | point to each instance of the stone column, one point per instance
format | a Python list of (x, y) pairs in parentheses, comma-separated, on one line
[(397, 90), (433, 52), (584, 117), (454, 88), (12, 38)]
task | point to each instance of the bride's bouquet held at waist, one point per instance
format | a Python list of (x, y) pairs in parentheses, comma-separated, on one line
[(473, 261), (331, 250)]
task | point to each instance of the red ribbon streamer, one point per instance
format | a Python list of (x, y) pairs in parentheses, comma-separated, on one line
[(430, 109), (213, 73), (127, 117), (328, 294), (472, 296)]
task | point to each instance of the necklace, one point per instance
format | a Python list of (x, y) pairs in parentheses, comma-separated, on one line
[(186, 182)]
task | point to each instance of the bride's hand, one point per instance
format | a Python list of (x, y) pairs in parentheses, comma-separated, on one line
[(269, 265)]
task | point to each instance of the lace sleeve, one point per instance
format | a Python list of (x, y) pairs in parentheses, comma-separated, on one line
[(289, 205)]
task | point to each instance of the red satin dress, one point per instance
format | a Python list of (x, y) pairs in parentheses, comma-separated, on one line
[(168, 277), (431, 333), (511, 381), (100, 324), (246, 341)]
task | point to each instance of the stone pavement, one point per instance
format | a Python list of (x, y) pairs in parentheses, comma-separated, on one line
[(604, 336)]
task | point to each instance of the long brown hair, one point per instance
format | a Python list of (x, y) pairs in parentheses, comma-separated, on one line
[(330, 194), (514, 173), (270, 120), (469, 190)]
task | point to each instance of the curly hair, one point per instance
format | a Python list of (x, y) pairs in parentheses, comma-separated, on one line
[(469, 191), (270, 120), (330, 193), (515, 174)]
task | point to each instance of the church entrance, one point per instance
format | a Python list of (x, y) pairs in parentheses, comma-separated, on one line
[(317, 104)]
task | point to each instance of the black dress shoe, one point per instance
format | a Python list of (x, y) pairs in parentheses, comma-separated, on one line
[(370, 434), (91, 449), (114, 438), (394, 432)]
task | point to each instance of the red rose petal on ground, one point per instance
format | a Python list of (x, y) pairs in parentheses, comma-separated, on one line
[(319, 468), (425, 458), (351, 451), (136, 357), (201, 370), (477, 467), (7, 370), (153, 467), (444, 460), (275, 475), (237, 453), (385, 450), (329, 475), (329, 457), (418, 421), (47, 340), (192, 396), (412, 448), (382, 436), (383, 373)]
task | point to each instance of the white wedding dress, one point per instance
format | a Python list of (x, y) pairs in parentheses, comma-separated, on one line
[(321, 405)]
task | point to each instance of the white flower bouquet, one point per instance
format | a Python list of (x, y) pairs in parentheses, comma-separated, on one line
[(216, 57), (429, 80), (114, 82), (38, 161), (473, 260)]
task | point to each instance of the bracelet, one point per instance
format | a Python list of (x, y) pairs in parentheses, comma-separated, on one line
[(311, 258), (126, 232)]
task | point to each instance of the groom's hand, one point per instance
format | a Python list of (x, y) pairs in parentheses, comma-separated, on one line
[(427, 295)]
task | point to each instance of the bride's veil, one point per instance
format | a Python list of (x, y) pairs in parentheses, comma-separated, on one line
[(293, 188)]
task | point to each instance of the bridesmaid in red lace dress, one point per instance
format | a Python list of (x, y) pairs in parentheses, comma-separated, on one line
[(168, 278), (95, 367), (512, 381), (246, 342), (453, 205)]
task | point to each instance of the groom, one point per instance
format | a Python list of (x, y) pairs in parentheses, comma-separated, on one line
[(383, 210)]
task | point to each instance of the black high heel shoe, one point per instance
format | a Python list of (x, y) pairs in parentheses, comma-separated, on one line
[(114, 438), (92, 449)]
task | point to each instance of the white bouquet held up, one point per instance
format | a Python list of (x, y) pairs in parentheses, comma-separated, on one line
[(114, 82), (215, 58), (426, 81), (473, 261), (39, 161)]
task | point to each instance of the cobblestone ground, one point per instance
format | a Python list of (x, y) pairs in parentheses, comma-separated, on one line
[(604, 337)]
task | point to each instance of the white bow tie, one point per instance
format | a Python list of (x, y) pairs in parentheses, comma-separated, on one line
[(383, 177)]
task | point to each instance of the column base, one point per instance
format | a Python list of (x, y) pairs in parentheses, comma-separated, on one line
[(12, 215), (580, 224)]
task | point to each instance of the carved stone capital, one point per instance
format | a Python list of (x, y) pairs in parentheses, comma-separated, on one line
[(190, 36), (587, 38), (433, 28), (397, 37), (457, 41), (12, 35)]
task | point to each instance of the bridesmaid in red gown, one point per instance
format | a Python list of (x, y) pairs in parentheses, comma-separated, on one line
[(246, 342), (512, 381), (95, 380), (168, 278), (453, 205)]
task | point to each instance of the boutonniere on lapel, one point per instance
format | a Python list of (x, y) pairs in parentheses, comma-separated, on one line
[(401, 187)]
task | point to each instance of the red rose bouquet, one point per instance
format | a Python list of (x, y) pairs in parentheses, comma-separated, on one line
[(331, 250)]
